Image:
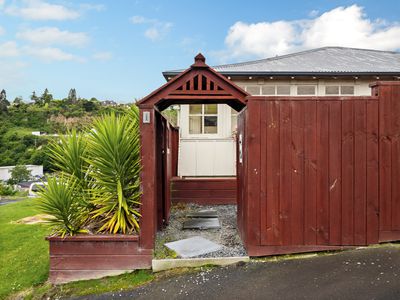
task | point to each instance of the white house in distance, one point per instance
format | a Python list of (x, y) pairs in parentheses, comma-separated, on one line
[(207, 132), (5, 172)]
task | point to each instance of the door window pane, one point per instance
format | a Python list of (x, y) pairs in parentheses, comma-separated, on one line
[(195, 109), (203, 118), (210, 109), (234, 115), (210, 124), (195, 124)]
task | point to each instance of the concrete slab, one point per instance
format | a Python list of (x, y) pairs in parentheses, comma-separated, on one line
[(172, 263), (202, 223), (193, 246), (204, 213)]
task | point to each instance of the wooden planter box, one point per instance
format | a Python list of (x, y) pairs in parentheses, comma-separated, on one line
[(94, 256)]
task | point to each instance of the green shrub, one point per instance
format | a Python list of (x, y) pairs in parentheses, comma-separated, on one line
[(99, 187), (6, 190), (62, 200)]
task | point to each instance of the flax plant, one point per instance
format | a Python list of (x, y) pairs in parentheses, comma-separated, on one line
[(114, 161)]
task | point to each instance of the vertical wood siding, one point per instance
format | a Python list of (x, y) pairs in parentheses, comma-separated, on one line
[(310, 172), (389, 161)]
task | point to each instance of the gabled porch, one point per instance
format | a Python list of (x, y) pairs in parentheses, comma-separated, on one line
[(160, 146)]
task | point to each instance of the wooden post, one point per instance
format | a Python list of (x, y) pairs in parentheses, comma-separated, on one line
[(148, 209)]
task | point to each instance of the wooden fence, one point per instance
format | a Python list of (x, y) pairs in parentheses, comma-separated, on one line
[(320, 172)]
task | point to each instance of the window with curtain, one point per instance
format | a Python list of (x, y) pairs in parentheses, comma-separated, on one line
[(203, 118)]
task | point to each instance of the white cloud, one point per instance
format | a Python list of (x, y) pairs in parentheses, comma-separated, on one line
[(156, 29), (342, 26), (260, 39), (41, 10), (141, 20), (2, 3), (53, 35), (12, 73), (102, 56), (89, 6), (9, 49), (49, 54)]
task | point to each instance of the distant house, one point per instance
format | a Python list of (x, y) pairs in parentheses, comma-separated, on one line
[(108, 103), (207, 146), (5, 172), (38, 133)]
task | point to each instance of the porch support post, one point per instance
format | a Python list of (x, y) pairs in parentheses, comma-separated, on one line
[(148, 220)]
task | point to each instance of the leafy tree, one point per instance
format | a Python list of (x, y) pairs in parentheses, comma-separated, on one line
[(88, 106), (18, 101), (46, 97), (18, 174), (4, 103), (72, 96), (35, 98)]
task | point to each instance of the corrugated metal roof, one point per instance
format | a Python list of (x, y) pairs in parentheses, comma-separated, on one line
[(338, 60)]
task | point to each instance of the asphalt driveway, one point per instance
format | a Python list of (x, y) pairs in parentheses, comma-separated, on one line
[(371, 273)]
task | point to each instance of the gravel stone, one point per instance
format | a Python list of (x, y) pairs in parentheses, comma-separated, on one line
[(227, 235)]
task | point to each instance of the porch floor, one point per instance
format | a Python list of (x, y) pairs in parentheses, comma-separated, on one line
[(227, 235)]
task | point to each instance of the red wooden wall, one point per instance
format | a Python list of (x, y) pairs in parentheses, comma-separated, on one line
[(389, 159), (204, 191), (309, 178)]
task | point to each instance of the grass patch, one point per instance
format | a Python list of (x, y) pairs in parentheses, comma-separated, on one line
[(161, 251), (24, 261), (24, 256), (89, 287)]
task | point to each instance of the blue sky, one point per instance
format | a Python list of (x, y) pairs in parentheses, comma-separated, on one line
[(118, 49)]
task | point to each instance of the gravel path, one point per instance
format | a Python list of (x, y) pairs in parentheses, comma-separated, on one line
[(227, 235)]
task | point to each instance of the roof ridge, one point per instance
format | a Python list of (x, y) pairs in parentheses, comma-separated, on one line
[(278, 57)]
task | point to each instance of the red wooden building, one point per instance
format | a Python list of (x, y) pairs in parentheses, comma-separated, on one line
[(313, 173)]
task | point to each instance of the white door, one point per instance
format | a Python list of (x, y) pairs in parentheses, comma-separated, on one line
[(207, 146)]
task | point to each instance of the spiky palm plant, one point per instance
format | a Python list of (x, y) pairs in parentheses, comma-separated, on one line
[(114, 159), (68, 155), (61, 199)]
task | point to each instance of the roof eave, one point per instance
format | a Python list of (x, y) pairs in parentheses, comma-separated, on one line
[(263, 73)]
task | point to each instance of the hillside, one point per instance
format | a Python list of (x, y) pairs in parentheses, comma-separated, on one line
[(18, 120)]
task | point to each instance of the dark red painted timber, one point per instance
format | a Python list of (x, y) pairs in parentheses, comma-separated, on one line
[(93, 256), (317, 173), (309, 177), (204, 191), (389, 160)]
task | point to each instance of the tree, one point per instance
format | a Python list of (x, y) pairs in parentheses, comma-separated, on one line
[(4, 103), (46, 97), (35, 98), (88, 106), (18, 101), (3, 95), (72, 96), (18, 174)]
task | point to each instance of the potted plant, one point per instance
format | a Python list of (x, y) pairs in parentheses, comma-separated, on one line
[(93, 200)]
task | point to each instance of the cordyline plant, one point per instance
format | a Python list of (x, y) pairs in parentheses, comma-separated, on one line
[(62, 201), (101, 165)]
